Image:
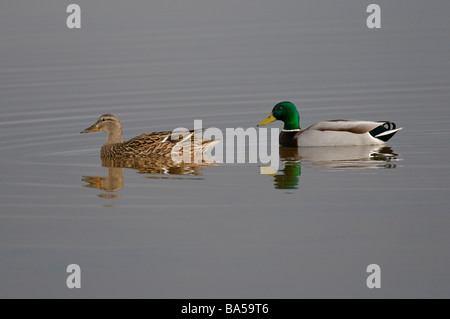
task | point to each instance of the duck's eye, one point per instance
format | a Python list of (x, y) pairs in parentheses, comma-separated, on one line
[(103, 120)]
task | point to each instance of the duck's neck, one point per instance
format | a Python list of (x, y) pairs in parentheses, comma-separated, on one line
[(114, 137), (292, 123)]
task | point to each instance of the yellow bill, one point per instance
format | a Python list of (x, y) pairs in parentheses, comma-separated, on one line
[(93, 128), (268, 120), (268, 170)]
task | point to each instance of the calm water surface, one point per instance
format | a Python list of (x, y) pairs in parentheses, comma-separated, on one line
[(309, 229)]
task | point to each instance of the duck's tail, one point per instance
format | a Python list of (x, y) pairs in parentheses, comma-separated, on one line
[(385, 131)]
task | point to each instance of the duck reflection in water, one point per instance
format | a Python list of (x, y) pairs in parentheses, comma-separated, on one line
[(332, 158), (156, 168)]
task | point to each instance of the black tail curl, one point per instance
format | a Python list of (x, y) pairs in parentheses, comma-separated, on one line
[(389, 125), (386, 126)]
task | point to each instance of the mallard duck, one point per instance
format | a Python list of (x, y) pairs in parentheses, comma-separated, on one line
[(328, 133), (152, 144)]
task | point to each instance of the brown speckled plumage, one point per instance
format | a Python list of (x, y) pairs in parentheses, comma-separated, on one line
[(154, 144)]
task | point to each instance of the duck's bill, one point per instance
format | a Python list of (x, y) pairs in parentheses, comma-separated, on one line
[(268, 120), (93, 128)]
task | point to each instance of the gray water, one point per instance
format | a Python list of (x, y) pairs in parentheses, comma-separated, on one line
[(223, 231)]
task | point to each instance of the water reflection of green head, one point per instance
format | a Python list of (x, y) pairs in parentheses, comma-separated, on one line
[(290, 177)]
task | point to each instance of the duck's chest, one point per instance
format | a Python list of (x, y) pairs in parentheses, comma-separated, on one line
[(289, 138)]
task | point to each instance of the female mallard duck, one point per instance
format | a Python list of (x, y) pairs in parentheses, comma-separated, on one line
[(152, 144), (328, 133)]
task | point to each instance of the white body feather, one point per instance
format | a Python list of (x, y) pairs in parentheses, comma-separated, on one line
[(341, 133)]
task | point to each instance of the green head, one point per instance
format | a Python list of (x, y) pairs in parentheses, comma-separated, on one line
[(286, 112)]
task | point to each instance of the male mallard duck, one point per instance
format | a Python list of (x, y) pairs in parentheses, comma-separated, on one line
[(328, 133), (146, 145)]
